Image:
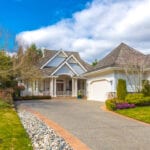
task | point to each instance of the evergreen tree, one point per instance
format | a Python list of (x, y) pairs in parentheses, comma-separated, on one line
[(121, 89)]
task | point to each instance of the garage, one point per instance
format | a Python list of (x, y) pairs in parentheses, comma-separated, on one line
[(99, 90)]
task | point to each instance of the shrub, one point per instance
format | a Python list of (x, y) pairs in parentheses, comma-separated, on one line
[(146, 88), (138, 99), (121, 89), (111, 104), (32, 97)]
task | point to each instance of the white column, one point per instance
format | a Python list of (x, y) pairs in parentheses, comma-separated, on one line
[(54, 87), (37, 87), (75, 87), (85, 88), (72, 87), (51, 87)]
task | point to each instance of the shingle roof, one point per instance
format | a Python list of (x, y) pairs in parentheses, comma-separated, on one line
[(147, 61), (122, 54), (48, 54)]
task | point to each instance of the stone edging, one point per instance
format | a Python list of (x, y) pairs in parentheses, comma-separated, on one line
[(74, 142), (125, 117)]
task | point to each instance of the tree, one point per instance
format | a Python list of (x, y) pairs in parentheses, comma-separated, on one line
[(94, 63), (25, 63), (6, 74), (121, 89), (146, 87)]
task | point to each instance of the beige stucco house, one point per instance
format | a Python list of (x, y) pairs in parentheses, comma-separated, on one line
[(65, 74)]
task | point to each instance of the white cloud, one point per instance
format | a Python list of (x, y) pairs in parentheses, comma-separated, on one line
[(96, 29)]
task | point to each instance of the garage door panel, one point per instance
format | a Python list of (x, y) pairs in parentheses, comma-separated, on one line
[(99, 90)]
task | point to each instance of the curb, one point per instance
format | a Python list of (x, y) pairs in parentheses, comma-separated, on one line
[(74, 142), (122, 116)]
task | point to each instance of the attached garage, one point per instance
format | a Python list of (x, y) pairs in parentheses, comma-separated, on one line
[(99, 90)]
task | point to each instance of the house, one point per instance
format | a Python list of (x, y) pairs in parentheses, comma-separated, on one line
[(123, 62), (65, 74), (62, 73)]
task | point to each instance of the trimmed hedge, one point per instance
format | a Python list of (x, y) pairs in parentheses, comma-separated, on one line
[(137, 99), (110, 104), (32, 97)]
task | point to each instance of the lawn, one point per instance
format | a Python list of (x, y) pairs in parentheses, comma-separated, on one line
[(138, 113), (12, 134)]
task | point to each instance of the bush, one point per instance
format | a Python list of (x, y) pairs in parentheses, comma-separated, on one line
[(138, 99), (32, 97), (121, 89), (110, 104)]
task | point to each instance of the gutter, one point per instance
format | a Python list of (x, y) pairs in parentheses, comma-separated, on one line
[(102, 70)]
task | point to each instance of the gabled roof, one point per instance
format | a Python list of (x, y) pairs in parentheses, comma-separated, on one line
[(48, 54), (122, 54)]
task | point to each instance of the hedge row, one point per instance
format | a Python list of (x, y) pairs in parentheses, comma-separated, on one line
[(138, 99), (32, 97)]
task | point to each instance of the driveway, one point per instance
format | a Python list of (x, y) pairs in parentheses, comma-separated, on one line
[(98, 129)]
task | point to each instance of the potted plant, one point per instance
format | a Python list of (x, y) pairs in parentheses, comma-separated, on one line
[(79, 94)]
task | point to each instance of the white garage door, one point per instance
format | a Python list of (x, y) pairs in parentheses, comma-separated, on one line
[(99, 90)]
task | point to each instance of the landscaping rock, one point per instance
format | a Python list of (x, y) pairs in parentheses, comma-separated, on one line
[(42, 136)]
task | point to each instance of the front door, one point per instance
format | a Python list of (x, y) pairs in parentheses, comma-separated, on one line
[(60, 88)]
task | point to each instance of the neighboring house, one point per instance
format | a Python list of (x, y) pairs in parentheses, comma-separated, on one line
[(62, 75), (65, 73), (123, 62)]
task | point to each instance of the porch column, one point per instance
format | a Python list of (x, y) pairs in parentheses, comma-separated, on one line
[(72, 87), (75, 87), (37, 87), (85, 85), (54, 94), (51, 87)]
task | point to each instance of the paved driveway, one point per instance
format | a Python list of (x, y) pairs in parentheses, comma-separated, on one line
[(96, 128)]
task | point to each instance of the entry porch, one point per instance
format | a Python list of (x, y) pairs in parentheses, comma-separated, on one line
[(55, 86)]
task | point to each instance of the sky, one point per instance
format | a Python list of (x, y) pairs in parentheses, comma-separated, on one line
[(91, 27)]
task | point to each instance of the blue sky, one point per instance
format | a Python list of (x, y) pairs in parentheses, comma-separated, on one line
[(21, 15), (91, 27)]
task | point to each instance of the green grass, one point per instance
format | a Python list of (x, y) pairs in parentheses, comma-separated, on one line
[(138, 113), (12, 134)]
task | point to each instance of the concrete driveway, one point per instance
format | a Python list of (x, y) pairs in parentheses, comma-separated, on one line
[(98, 129)]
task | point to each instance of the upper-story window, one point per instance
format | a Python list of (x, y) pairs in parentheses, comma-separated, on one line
[(75, 66), (57, 60)]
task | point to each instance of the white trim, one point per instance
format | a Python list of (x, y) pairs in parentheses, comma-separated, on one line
[(67, 64), (99, 80), (53, 58), (77, 62), (71, 68), (102, 70)]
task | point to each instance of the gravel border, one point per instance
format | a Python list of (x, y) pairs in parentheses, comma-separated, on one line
[(42, 136)]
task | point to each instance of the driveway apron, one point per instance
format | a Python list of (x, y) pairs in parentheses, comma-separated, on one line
[(98, 129)]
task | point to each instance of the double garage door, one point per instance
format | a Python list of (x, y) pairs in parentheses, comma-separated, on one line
[(99, 90)]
